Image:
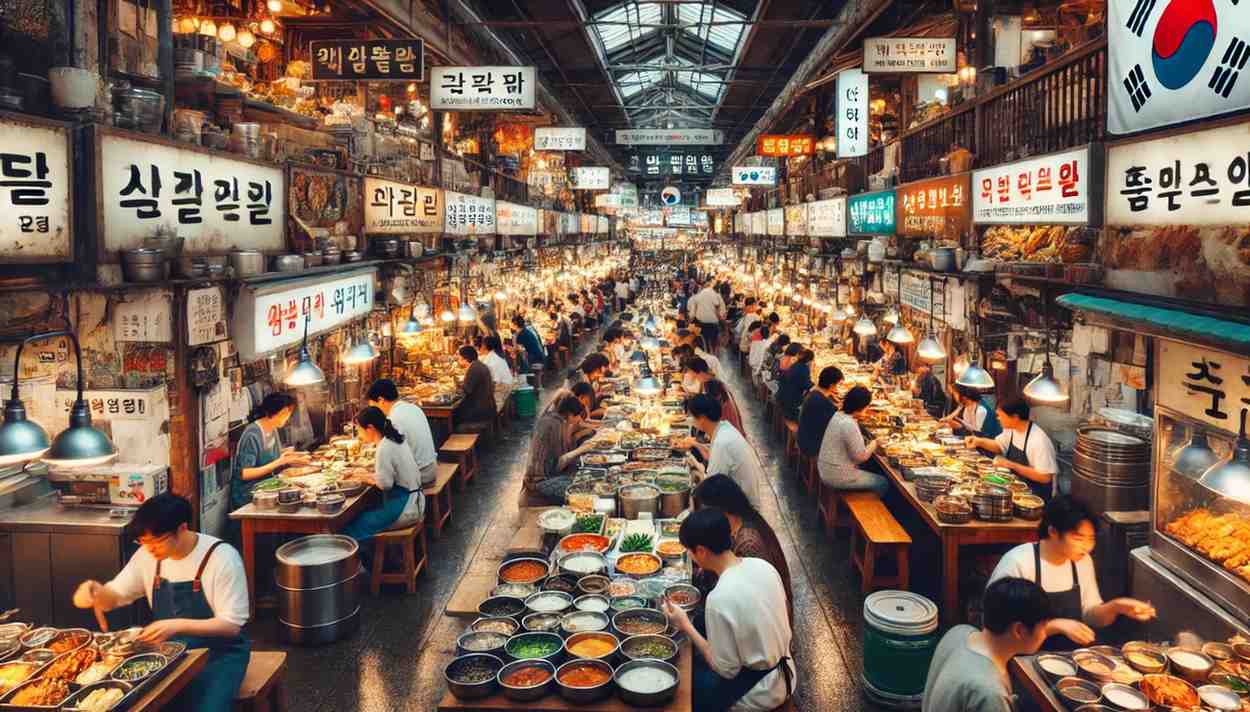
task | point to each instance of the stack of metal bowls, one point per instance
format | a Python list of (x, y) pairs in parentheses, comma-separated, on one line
[(1111, 469), (929, 487), (992, 503)]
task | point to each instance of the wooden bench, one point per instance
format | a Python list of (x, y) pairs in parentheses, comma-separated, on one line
[(792, 441), (407, 540), (809, 473), (874, 532), (479, 427), (262, 689), (461, 449), (438, 506), (830, 504)]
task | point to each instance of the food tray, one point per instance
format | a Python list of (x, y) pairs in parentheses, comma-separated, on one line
[(137, 690)]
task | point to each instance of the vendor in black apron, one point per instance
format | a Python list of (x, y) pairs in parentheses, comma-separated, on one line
[(1023, 448), (743, 662), (1061, 564), (972, 416), (197, 588)]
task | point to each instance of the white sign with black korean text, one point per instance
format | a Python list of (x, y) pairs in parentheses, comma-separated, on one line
[(482, 88), (1210, 386), (608, 200), (513, 219), (678, 215), (35, 188), (775, 221), (468, 214), (759, 223), (591, 177), (852, 107), (1057, 189), (670, 137), (401, 208), (754, 175), (271, 317), (827, 218), (206, 316), (215, 202), (910, 54), (722, 198), (1200, 178), (560, 138)]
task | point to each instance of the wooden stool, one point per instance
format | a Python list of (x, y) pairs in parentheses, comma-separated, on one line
[(874, 532), (407, 539), (461, 449), (438, 498), (480, 427), (832, 513), (262, 689), (792, 441)]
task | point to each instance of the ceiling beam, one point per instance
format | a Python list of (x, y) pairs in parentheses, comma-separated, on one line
[(527, 24)]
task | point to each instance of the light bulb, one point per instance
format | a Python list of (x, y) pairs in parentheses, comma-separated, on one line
[(267, 26), (188, 25), (274, 5), (246, 39), (226, 32), (448, 316), (208, 28)]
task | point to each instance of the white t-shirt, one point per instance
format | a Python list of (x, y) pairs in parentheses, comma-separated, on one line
[(499, 371), (411, 422), (975, 414), (744, 330), (732, 455), (706, 306), (755, 357), (1019, 563), (622, 290), (713, 363), (224, 582), (747, 627), (1040, 451)]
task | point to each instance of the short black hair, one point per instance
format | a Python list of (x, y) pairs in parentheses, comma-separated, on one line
[(764, 332), (705, 406), (518, 321), (570, 406), (492, 343), (683, 351), (681, 324), (856, 400), (774, 318), (161, 515), (697, 364), (794, 348), (468, 353), (830, 376), (1013, 600), (968, 393), (593, 362), (708, 528), (582, 388), (612, 334), (750, 300), (1065, 513), (383, 389), (1016, 408)]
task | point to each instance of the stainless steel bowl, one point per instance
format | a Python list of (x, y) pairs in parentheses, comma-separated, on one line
[(659, 564), (1055, 661), (514, 590), (1118, 696), (1091, 692), (610, 656), (585, 695), (583, 622), (480, 625), (533, 692), (1196, 674), (552, 638), (684, 588), (646, 614), (640, 698), (549, 602), (504, 566), (583, 563), (481, 642), (246, 263), (501, 607), (288, 263), (629, 647), (1090, 665), (119, 672), (542, 622), (71, 702), (592, 602), (592, 585), (472, 690)]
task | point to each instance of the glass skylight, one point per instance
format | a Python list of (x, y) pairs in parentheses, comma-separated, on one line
[(614, 37), (723, 37)]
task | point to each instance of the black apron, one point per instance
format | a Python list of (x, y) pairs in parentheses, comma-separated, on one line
[(718, 694), (1020, 457), (1063, 604)]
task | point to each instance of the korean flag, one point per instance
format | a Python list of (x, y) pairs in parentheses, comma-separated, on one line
[(1175, 60)]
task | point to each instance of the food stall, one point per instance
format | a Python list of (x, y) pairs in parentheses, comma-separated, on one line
[(938, 210), (796, 225)]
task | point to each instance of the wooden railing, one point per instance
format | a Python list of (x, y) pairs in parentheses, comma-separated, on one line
[(924, 145)]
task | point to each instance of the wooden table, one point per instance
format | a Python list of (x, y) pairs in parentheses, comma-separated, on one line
[(955, 536), (682, 702), (1027, 680), (482, 573), (307, 520), (167, 688), (442, 420)]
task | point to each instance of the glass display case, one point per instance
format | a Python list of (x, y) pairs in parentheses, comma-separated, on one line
[(1201, 527)]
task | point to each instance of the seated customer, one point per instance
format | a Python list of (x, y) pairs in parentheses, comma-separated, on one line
[(477, 391), (395, 473), (411, 422), (969, 668), (743, 664), (795, 382), (729, 407), (552, 453), (526, 336), (730, 453), (818, 407), (843, 449)]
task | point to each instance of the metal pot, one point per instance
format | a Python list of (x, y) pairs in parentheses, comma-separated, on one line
[(143, 265), (331, 258), (636, 499), (312, 259), (647, 699), (311, 607), (315, 561), (246, 263), (325, 633), (385, 246), (352, 256), (942, 259), (288, 263), (673, 503)]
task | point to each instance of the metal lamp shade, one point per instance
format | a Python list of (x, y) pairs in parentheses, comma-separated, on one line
[(976, 378), (930, 349), (304, 372), (900, 335), (1231, 477), (1044, 389), (638, 357), (467, 313), (865, 327), (20, 439), (891, 317), (1195, 457), (412, 326), (81, 443), (362, 352)]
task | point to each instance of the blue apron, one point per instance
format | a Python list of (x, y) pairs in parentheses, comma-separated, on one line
[(213, 690), (241, 489), (377, 520)]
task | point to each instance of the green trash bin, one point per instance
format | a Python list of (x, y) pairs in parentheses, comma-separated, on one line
[(526, 401)]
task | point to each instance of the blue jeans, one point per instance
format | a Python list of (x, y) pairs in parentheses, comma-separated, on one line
[(860, 480)]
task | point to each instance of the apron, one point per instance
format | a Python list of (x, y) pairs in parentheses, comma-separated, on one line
[(1063, 604), (717, 694), (377, 520), (241, 489), (213, 690), (1020, 457)]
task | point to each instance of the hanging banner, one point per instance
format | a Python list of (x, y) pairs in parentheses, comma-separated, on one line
[(215, 202), (775, 221), (871, 213), (754, 175), (368, 60), (678, 216), (759, 223), (722, 198), (785, 146), (827, 218), (399, 208), (482, 88), (670, 137), (513, 219), (665, 162), (852, 107), (910, 54), (1168, 63), (796, 220), (1058, 189), (938, 208), (468, 214), (590, 177), (271, 316), (36, 192), (560, 138)]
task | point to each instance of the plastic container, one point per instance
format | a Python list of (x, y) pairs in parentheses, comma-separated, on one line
[(526, 399), (900, 635)]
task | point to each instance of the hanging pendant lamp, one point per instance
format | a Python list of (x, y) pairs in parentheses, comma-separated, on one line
[(1044, 389), (304, 372), (899, 334), (1231, 477)]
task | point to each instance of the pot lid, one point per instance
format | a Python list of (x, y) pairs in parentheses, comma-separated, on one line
[(901, 612), (317, 550)]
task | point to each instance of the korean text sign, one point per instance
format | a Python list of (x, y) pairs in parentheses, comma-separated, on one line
[(516, 219), (754, 175), (827, 218), (938, 208), (1199, 178), (759, 223), (871, 213), (482, 88), (392, 207), (468, 214), (35, 189), (722, 197), (1209, 386), (910, 54), (371, 60), (673, 163), (852, 107), (774, 145), (775, 221), (214, 201), (591, 177), (269, 318), (669, 137), (560, 138), (1060, 188)]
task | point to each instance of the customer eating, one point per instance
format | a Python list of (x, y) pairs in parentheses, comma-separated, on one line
[(551, 451), (395, 473), (1023, 448), (730, 454), (411, 422), (843, 449), (817, 409), (973, 416), (477, 391), (259, 452)]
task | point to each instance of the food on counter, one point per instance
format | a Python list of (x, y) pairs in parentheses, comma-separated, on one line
[(95, 673), (584, 675), (585, 542), (483, 642), (14, 674), (594, 584), (670, 548), (640, 625), (38, 637), (637, 564), (588, 524), (636, 543), (681, 597), (138, 668), (1188, 659), (653, 647), (1125, 699), (45, 692), (514, 590), (1222, 538), (1169, 691), (547, 602), (101, 700), (69, 665), (501, 607), (523, 572), (473, 671), (527, 677), (528, 647), (65, 642), (1047, 243), (592, 647), (646, 680), (622, 587), (556, 519)]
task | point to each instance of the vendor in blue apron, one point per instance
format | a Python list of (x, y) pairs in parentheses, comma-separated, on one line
[(1024, 448), (1062, 565), (743, 663), (259, 452), (395, 473), (197, 588), (972, 416)]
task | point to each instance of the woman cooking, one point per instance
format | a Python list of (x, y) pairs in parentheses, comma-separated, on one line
[(972, 416), (1061, 564), (1023, 448), (259, 452), (395, 472)]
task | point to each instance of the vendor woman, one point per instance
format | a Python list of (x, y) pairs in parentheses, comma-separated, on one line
[(1023, 448), (971, 416), (197, 589), (259, 452), (395, 472), (1061, 564)]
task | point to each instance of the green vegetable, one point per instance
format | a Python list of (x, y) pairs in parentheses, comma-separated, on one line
[(528, 648), (271, 484), (636, 542), (588, 524), (672, 485)]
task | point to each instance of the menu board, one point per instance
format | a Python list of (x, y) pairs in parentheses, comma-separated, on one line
[(827, 218), (269, 317), (938, 208), (910, 54), (785, 146), (368, 60), (468, 214), (796, 220), (775, 221), (399, 208), (1056, 189), (513, 219), (560, 138), (35, 192), (482, 88), (871, 213)]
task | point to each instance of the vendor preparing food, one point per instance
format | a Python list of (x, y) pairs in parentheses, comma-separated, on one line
[(1061, 564), (1023, 448), (259, 452), (551, 451), (395, 473), (197, 588), (973, 416)]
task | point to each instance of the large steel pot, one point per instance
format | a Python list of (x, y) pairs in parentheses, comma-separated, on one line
[(325, 633), (674, 503), (316, 561), (246, 263), (143, 265), (942, 259), (288, 263), (310, 607), (635, 499)]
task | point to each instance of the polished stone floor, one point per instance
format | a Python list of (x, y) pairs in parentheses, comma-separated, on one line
[(395, 661)]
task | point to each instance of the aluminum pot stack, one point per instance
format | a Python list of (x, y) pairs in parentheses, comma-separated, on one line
[(318, 592), (1111, 470)]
